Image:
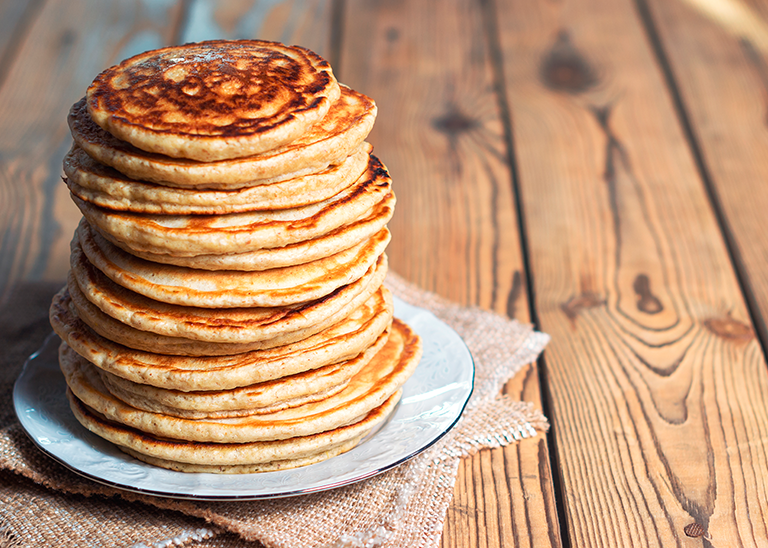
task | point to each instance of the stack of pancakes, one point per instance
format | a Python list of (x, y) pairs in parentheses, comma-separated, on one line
[(224, 310)]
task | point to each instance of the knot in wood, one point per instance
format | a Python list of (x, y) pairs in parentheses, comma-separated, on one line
[(576, 304), (646, 301), (564, 68), (454, 122), (694, 530), (730, 329)]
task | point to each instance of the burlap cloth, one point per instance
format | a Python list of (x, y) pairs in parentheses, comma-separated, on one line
[(44, 504)]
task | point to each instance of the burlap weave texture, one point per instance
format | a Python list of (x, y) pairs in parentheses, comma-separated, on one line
[(403, 507)]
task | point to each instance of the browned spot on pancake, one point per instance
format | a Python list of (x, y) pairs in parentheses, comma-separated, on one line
[(86, 129), (377, 176), (411, 345), (198, 222)]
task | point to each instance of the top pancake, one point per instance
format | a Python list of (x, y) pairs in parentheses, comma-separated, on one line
[(213, 100), (327, 142)]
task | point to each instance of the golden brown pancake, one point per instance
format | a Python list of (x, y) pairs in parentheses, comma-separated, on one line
[(383, 376), (305, 251), (225, 310), (106, 187), (191, 235), (271, 466), (204, 405), (213, 100), (227, 288), (341, 341), (230, 325), (241, 458), (328, 142), (259, 397), (147, 341)]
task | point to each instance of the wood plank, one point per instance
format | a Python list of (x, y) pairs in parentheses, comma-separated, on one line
[(303, 22), (721, 71), (50, 72), (658, 385), (455, 229), (15, 18), (440, 134)]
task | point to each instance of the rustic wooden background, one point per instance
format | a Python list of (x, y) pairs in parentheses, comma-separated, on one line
[(598, 167)]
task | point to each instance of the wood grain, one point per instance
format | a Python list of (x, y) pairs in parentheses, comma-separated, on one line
[(49, 72), (304, 22), (440, 132), (657, 383), (15, 18), (721, 73)]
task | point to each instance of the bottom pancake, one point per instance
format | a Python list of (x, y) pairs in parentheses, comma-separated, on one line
[(274, 466), (188, 456)]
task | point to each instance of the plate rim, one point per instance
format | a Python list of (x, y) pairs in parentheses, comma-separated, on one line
[(411, 311)]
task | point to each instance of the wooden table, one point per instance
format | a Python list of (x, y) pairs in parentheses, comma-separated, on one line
[(598, 167)]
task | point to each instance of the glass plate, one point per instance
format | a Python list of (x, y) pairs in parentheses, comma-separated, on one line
[(433, 400)]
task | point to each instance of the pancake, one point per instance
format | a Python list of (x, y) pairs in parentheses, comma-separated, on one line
[(384, 375), (341, 341), (190, 235), (328, 244), (260, 397), (270, 466), (213, 100), (203, 404), (233, 325), (146, 341), (225, 310), (226, 288), (335, 137), (232, 457), (106, 187)]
